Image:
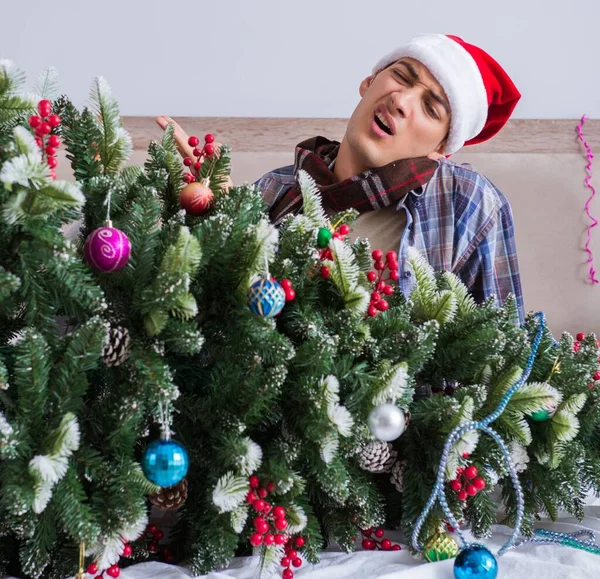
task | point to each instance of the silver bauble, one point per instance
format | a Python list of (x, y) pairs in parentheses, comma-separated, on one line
[(387, 422)]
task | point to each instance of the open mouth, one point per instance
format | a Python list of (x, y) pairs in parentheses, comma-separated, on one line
[(381, 123)]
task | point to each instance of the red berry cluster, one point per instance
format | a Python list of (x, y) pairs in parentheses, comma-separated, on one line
[(290, 293), (373, 540), (467, 483), (153, 537), (579, 338), (113, 570), (379, 285), (269, 515), (291, 556), (42, 126), (206, 151)]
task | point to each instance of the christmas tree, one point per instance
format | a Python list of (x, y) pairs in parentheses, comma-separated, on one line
[(313, 399)]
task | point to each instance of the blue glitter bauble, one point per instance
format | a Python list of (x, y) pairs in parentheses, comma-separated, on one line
[(165, 462), (475, 562), (266, 297)]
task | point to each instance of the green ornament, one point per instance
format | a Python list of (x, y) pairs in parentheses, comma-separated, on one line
[(324, 237), (541, 416), (440, 547)]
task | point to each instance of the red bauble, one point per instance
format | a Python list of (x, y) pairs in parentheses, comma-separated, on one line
[(127, 550), (580, 336), (54, 141), (113, 571), (196, 198), (44, 108), (34, 122), (193, 141), (280, 524), (299, 542), (377, 254), (471, 472), (279, 512), (92, 569), (54, 121), (254, 482)]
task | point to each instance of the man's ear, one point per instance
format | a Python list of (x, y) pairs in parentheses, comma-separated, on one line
[(440, 152), (365, 84)]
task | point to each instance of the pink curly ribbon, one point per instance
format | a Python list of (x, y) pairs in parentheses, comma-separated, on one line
[(588, 184)]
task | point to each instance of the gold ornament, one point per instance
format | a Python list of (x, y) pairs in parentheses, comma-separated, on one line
[(81, 571), (439, 547)]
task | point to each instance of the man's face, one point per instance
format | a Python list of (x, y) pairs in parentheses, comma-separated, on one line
[(403, 113)]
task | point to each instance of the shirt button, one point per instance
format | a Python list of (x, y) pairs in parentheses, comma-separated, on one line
[(407, 274)]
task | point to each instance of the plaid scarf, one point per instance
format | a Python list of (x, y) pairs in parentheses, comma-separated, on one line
[(369, 191)]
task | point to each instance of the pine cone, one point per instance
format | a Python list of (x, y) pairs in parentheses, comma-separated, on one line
[(117, 347), (171, 498), (397, 476), (377, 456)]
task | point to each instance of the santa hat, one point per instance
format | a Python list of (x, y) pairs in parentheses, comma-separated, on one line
[(480, 93)]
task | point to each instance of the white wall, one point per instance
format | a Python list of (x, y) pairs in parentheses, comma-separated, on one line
[(299, 59)]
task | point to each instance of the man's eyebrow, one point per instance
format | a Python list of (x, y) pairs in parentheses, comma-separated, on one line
[(415, 76)]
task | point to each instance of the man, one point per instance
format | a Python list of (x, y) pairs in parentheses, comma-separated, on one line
[(422, 103)]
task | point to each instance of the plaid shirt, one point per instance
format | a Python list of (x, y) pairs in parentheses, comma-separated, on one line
[(460, 221)]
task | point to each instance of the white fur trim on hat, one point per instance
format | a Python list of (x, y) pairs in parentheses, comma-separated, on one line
[(458, 74)]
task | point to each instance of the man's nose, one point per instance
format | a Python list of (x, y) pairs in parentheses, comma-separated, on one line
[(404, 102)]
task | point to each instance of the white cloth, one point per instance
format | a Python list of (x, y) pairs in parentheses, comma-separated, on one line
[(528, 561)]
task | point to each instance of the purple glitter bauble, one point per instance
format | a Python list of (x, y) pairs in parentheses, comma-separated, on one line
[(107, 249)]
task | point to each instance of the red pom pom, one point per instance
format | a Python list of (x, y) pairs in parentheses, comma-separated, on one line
[(455, 485), (471, 472), (262, 493), (209, 150), (371, 276), (44, 108), (193, 141), (325, 272), (54, 121), (471, 490), (54, 141), (287, 574), (256, 540), (34, 122), (297, 562), (113, 571), (285, 562), (280, 524), (299, 542), (92, 569), (344, 229), (462, 495), (394, 275), (254, 482), (52, 162), (280, 539), (386, 544), (209, 138), (377, 254), (479, 483), (580, 336), (269, 539), (258, 505), (127, 550), (372, 311), (379, 533)]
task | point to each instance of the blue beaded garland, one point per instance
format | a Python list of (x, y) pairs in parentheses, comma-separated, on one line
[(165, 462), (475, 562), (266, 297)]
